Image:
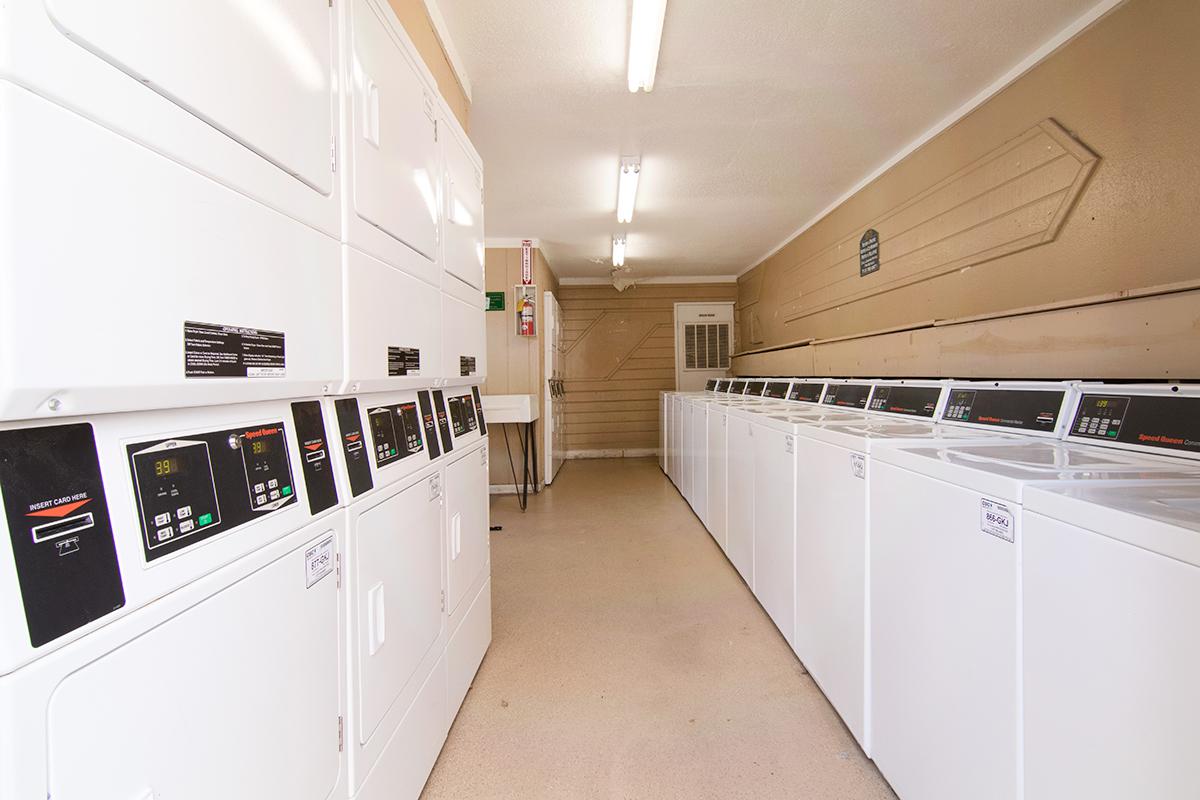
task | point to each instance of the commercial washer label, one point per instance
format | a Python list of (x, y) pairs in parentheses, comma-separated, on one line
[(403, 361), (996, 519), (318, 562), (858, 465), (227, 351)]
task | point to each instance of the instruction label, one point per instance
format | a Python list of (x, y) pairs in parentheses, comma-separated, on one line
[(858, 465), (318, 562), (466, 365), (403, 361), (996, 519), (227, 351)]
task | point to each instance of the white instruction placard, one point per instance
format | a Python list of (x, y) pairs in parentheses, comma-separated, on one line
[(318, 561), (858, 465), (996, 519)]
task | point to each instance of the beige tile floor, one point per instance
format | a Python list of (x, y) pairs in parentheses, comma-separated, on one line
[(629, 660)]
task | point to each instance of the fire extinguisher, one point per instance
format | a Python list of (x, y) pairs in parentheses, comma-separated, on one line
[(525, 317)]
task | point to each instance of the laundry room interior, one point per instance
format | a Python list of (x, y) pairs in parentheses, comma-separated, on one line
[(632, 399)]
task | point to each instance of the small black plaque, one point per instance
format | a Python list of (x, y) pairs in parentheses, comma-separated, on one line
[(403, 361), (227, 351), (868, 253)]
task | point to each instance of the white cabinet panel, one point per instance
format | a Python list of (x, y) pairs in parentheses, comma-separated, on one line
[(466, 524), (464, 343), (463, 190), (740, 507)]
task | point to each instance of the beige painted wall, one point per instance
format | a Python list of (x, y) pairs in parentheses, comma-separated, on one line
[(1125, 91), (620, 355), (415, 19), (516, 364)]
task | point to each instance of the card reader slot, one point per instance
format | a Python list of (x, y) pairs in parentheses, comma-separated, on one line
[(63, 527)]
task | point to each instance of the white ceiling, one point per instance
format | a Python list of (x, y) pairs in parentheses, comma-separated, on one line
[(763, 113)]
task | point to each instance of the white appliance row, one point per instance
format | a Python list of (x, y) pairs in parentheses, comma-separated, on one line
[(228, 203), (270, 599), (978, 639)]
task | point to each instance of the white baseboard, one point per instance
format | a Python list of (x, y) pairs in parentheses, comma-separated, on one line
[(632, 452), (509, 488)]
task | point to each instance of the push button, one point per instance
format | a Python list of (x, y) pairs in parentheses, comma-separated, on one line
[(162, 519), (184, 512), (187, 526), (165, 533)]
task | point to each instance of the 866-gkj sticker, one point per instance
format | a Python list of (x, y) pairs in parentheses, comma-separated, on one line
[(996, 519)]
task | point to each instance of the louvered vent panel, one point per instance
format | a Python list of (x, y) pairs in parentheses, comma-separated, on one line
[(689, 346), (706, 346)]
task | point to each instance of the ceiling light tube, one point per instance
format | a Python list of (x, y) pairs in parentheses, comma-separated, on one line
[(645, 38), (618, 255), (627, 184)]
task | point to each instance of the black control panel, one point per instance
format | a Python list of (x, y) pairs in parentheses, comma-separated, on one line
[(62, 538), (314, 454), (807, 392), (710, 386), (395, 432), (847, 395), (443, 418), (738, 387), (192, 488), (722, 386), (910, 401), (1018, 409), (429, 422), (776, 389), (479, 410), (755, 387), (354, 445), (462, 414), (1170, 422)]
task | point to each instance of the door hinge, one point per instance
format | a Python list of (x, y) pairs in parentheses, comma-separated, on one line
[(338, 569), (332, 144), (341, 744)]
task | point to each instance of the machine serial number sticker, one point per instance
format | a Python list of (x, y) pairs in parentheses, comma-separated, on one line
[(996, 519), (318, 562), (403, 361), (227, 351), (858, 465)]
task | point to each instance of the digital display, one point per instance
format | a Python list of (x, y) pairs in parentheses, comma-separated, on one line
[(166, 466), (260, 447)]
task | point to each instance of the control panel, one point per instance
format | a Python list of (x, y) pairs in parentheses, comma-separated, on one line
[(395, 432), (776, 389), (710, 386), (722, 386), (806, 392), (314, 453), (58, 523), (755, 387), (429, 422), (909, 401), (354, 447), (192, 488), (738, 387), (443, 420), (1017, 409), (479, 410), (462, 414), (1161, 421), (847, 395)]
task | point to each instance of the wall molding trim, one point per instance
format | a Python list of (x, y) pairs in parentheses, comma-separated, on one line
[(1076, 27), (490, 244), (660, 280), (443, 34), (631, 452)]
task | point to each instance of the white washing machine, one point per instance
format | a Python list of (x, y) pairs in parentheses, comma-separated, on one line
[(133, 178), (418, 603), (945, 558), (757, 443), (1110, 582), (170, 602), (833, 470)]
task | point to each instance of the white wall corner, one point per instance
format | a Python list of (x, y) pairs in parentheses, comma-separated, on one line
[(443, 34)]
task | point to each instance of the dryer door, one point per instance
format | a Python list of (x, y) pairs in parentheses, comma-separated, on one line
[(237, 697), (466, 524)]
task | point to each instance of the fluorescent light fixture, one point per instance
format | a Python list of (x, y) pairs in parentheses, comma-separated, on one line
[(618, 251), (627, 184), (645, 37)]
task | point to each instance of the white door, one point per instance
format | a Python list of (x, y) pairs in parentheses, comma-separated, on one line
[(466, 524), (398, 578), (553, 428), (393, 146), (236, 697), (703, 343)]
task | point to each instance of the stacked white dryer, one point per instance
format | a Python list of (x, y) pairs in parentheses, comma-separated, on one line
[(239, 230)]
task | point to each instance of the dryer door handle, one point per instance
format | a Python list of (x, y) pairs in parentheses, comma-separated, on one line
[(376, 619)]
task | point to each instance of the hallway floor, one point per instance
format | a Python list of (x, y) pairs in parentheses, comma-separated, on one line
[(629, 660)]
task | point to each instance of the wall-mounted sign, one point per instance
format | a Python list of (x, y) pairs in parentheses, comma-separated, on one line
[(868, 253), (526, 261), (495, 301)]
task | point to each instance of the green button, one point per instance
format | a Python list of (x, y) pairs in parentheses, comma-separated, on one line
[(287, 490), (393, 452), (1112, 434), (205, 519)]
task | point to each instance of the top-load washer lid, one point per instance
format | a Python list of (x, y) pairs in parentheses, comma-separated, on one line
[(1003, 468), (1163, 518), (873, 432)]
